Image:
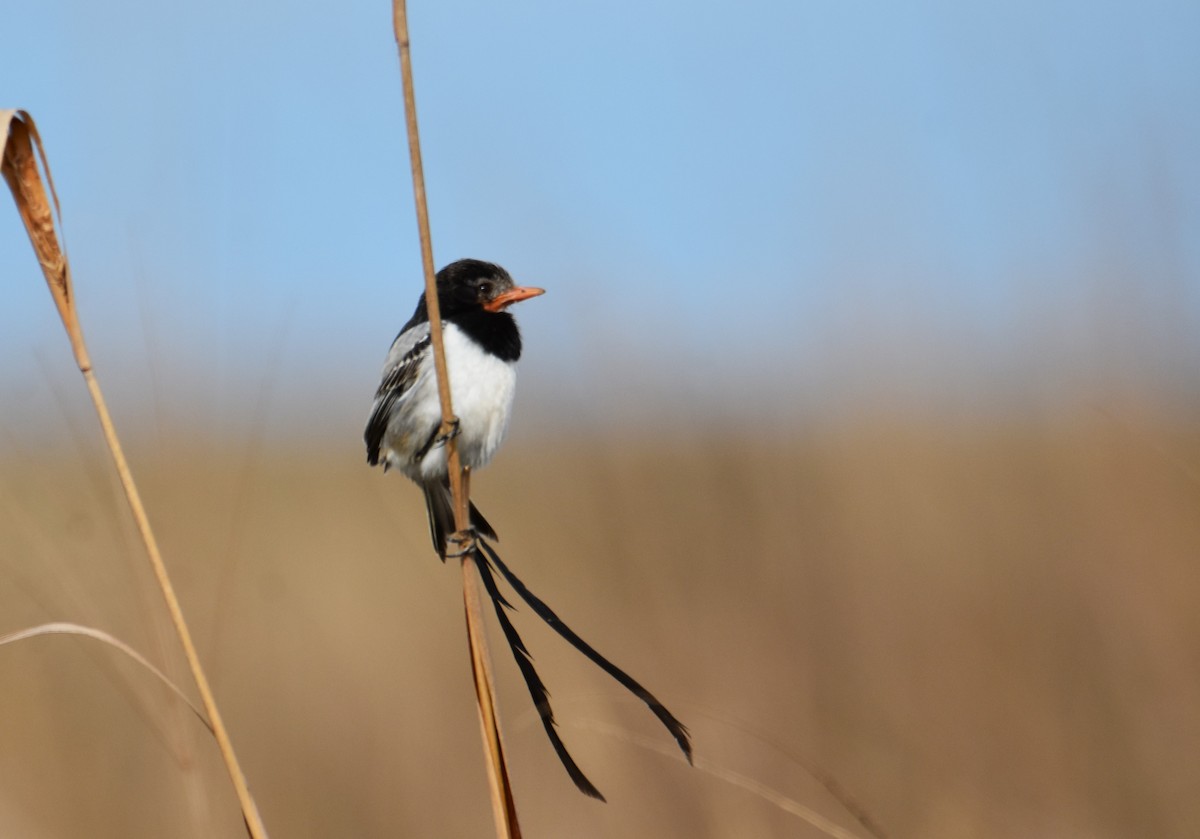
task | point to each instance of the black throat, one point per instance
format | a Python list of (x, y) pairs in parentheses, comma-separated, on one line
[(496, 332)]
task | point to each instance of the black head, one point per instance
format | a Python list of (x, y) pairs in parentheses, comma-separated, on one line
[(474, 295), (470, 284)]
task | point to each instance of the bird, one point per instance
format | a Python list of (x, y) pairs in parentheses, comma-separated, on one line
[(483, 345), (404, 431)]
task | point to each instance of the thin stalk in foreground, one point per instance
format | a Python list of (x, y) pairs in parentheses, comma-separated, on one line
[(20, 167), (503, 807)]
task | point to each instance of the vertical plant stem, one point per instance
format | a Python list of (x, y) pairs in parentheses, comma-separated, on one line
[(253, 821), (20, 168), (503, 806)]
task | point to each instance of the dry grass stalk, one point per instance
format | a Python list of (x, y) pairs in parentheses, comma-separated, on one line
[(752, 785), (22, 153), (66, 628), (503, 807)]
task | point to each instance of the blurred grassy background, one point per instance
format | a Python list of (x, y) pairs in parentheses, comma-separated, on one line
[(860, 422), (979, 628)]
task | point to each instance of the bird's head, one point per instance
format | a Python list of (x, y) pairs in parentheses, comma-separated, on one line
[(474, 284)]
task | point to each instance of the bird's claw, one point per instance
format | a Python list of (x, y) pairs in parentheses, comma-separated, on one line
[(464, 541), (449, 429)]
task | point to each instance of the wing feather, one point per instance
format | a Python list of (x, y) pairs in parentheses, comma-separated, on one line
[(401, 370)]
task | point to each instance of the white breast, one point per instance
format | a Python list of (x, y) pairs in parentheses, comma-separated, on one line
[(481, 387)]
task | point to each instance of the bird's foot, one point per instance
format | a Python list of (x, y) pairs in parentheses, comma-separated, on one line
[(449, 429), (462, 542)]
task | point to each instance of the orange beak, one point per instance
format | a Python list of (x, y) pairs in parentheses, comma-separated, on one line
[(513, 295)]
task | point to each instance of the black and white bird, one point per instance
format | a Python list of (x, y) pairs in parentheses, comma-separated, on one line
[(404, 431), (482, 345)]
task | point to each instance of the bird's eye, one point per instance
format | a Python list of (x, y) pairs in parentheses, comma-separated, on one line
[(485, 289)]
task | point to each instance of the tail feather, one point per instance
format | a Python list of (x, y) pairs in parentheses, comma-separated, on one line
[(677, 729), (481, 524), (439, 503), (537, 688)]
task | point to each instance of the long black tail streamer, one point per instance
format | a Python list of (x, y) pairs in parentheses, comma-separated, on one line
[(678, 730), (537, 688)]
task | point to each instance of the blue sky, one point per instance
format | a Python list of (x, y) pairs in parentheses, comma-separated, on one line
[(807, 193)]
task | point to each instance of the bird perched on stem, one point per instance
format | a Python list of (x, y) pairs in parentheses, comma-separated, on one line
[(482, 346)]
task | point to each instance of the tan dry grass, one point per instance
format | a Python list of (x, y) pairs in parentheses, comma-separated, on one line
[(978, 631), (26, 170)]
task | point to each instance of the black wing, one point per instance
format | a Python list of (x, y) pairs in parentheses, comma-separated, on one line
[(400, 373)]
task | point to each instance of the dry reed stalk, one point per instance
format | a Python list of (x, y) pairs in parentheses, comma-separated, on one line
[(752, 785), (67, 628), (503, 807), (22, 151)]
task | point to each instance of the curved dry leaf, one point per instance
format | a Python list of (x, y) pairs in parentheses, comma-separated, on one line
[(64, 628), (22, 153)]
